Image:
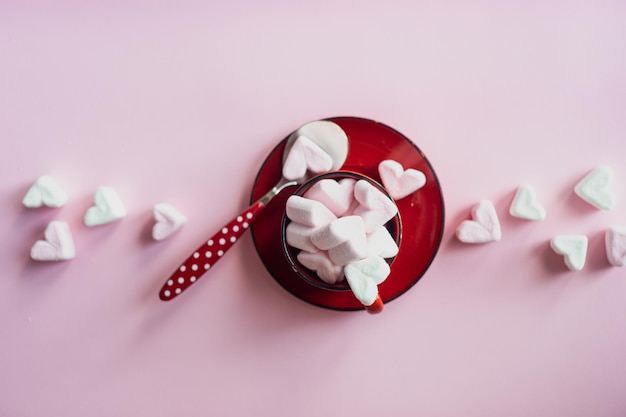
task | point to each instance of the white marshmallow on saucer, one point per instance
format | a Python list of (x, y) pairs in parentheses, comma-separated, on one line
[(364, 276), (349, 251), (374, 206), (308, 212), (299, 236), (338, 196), (525, 204), (57, 246), (108, 207), (338, 231), (594, 188), (45, 192), (615, 243), (484, 226), (319, 262), (168, 221), (573, 248), (399, 182), (381, 243), (305, 155)]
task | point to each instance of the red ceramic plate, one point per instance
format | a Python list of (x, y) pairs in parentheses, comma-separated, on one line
[(422, 214)]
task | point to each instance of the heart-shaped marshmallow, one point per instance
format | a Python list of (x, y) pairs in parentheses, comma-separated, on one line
[(338, 231), (615, 242), (308, 212), (168, 220), (594, 188), (336, 195), (381, 243), (573, 248), (45, 192), (305, 155), (299, 236), (319, 262), (57, 246), (349, 251), (400, 182), (484, 226), (108, 207), (374, 206), (364, 275), (525, 204)]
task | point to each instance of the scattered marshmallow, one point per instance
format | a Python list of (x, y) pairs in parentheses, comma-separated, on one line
[(308, 212), (168, 221), (594, 188), (484, 226), (338, 231), (349, 251), (338, 196), (615, 242), (108, 207), (363, 277), (381, 243), (299, 236), (399, 182), (305, 155), (374, 206), (58, 244), (573, 248), (319, 262), (525, 204), (45, 192)]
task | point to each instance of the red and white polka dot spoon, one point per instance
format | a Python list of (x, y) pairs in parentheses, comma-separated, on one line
[(327, 135)]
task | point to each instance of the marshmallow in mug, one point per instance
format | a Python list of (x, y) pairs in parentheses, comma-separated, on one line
[(331, 241)]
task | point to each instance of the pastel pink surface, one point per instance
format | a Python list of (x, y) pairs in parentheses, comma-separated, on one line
[(164, 101)]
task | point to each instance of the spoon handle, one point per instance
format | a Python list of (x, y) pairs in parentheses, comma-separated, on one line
[(211, 251)]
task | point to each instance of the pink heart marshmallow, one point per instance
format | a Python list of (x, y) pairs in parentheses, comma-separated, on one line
[(374, 206), (305, 155), (400, 182), (319, 262), (485, 226), (336, 195)]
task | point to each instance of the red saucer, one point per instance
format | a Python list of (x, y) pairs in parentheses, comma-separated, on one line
[(422, 214)]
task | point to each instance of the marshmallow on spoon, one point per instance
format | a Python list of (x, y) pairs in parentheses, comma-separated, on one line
[(45, 192), (305, 155), (338, 196), (338, 231), (308, 212), (399, 182), (57, 246), (573, 248), (374, 206), (319, 262), (615, 243), (594, 188), (526, 206), (484, 226)]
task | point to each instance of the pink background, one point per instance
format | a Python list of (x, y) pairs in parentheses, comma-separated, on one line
[(180, 102)]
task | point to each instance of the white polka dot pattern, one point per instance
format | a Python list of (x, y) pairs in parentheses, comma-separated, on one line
[(203, 258)]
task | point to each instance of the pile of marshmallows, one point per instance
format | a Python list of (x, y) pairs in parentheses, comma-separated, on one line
[(58, 243), (339, 227)]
